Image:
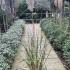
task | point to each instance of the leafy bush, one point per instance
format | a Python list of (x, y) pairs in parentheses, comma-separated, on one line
[(22, 10), (24, 13), (66, 49), (55, 32), (40, 13), (9, 44), (58, 35), (3, 64)]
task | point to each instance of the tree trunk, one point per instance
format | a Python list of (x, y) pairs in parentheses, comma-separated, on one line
[(62, 9), (69, 13), (69, 18)]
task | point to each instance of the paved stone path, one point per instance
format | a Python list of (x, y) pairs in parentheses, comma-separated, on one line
[(52, 63)]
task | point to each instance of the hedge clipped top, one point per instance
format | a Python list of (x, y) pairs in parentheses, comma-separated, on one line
[(9, 44), (15, 29), (59, 36)]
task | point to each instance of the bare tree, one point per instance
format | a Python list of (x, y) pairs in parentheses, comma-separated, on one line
[(62, 8), (69, 11), (69, 17)]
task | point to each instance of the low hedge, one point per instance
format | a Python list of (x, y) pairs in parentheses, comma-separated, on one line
[(9, 44), (58, 35)]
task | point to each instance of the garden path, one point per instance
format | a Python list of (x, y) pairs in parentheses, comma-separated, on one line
[(52, 63)]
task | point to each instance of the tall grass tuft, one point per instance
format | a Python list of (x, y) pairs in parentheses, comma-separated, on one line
[(36, 53)]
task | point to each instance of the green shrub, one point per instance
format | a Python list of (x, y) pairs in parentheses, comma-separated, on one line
[(3, 64), (10, 42), (66, 49), (57, 33), (24, 13), (22, 10), (40, 13)]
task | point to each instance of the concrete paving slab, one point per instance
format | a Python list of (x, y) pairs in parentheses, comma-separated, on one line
[(52, 62)]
